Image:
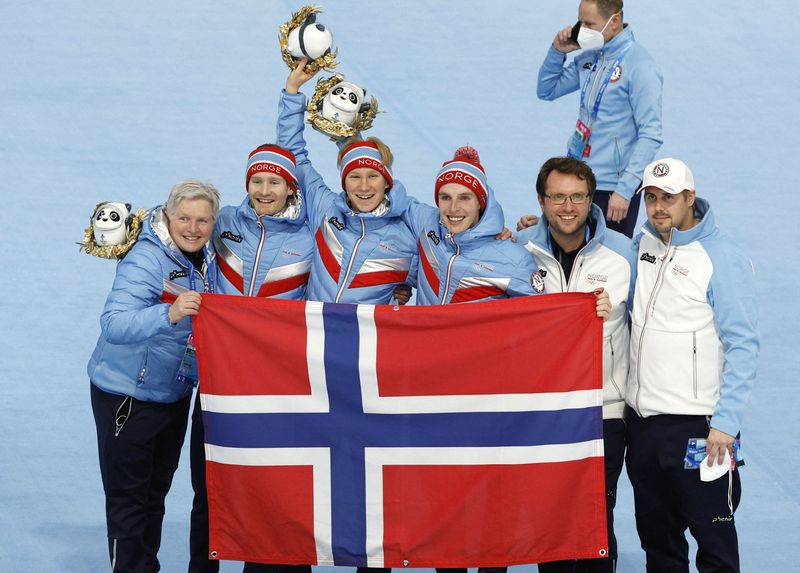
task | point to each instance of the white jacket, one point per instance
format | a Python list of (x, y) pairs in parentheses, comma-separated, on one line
[(606, 261), (694, 345)]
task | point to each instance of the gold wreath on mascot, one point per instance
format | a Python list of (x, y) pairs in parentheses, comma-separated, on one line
[(113, 230)]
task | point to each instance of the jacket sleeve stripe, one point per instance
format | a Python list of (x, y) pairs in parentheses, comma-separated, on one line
[(476, 293), (378, 278), (227, 271), (427, 268), (328, 260), (281, 286)]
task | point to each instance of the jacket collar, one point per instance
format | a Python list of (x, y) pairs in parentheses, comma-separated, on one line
[(489, 225), (389, 211), (293, 214), (618, 42)]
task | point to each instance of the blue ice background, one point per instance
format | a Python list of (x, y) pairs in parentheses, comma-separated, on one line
[(120, 100)]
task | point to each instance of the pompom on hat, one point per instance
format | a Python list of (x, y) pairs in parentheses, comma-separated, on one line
[(272, 159), (365, 154), (464, 169)]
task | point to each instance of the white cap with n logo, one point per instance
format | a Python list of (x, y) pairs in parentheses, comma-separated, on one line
[(670, 175)]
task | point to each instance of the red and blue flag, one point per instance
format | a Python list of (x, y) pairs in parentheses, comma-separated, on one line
[(359, 435)]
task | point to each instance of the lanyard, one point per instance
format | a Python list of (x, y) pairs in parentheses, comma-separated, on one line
[(208, 273), (602, 90)]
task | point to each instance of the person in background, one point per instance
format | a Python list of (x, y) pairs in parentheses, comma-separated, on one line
[(618, 129)]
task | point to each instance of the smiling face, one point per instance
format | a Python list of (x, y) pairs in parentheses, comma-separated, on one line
[(568, 220), (459, 207), (365, 188), (191, 224), (665, 210), (268, 193)]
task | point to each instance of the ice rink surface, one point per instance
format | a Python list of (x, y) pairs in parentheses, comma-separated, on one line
[(120, 100)]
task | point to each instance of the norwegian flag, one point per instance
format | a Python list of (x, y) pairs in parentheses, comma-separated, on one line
[(452, 436)]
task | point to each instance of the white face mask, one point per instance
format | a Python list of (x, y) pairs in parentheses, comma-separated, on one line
[(589, 39)]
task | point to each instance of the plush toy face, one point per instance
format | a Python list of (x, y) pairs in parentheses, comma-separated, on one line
[(317, 40), (343, 103), (109, 224)]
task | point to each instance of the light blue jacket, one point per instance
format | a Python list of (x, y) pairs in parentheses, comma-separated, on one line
[(266, 256), (139, 351), (694, 339), (472, 265), (359, 257), (627, 133)]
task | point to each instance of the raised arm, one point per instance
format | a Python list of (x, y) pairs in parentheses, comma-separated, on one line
[(291, 124), (556, 79)]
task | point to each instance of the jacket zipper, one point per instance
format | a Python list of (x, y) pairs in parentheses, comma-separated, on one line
[(143, 369), (601, 62), (352, 259), (258, 257), (578, 257), (650, 305), (694, 362), (613, 363), (449, 269)]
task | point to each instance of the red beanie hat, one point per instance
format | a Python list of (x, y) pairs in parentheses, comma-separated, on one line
[(364, 154), (272, 159), (465, 169)]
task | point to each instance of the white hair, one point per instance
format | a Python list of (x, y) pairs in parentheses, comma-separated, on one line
[(192, 189)]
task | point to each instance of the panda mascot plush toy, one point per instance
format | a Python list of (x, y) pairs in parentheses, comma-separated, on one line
[(343, 103), (110, 223), (113, 230), (310, 40)]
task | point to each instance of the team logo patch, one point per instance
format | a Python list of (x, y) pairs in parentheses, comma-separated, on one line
[(616, 74), (679, 270), (537, 282), (660, 170), (433, 237), (231, 237), (388, 247), (178, 274), (647, 257), (336, 223), (594, 278)]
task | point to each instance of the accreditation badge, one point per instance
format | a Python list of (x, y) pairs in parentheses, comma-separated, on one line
[(187, 371), (578, 146)]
